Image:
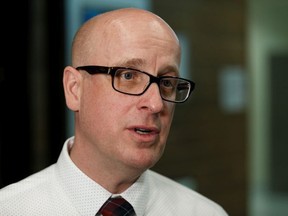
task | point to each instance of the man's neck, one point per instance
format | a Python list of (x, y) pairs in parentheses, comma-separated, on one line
[(114, 179)]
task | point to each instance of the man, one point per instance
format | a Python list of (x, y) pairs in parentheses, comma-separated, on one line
[(122, 86)]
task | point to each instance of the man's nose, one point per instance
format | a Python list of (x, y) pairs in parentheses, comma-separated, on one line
[(152, 99)]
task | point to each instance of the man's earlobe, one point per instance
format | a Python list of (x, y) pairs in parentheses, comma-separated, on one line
[(71, 84)]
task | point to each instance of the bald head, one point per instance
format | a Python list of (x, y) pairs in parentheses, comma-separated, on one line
[(101, 32)]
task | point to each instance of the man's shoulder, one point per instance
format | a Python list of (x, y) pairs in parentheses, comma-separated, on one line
[(29, 186), (172, 186), (38, 194), (182, 196)]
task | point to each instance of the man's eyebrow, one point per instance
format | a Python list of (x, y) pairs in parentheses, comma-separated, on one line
[(138, 63), (170, 70), (134, 63)]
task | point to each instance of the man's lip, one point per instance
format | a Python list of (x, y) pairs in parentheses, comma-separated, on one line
[(154, 130), (149, 135)]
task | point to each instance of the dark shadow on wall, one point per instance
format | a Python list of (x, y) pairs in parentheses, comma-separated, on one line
[(17, 157)]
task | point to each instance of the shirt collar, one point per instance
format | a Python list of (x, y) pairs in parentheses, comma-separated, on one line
[(138, 194), (86, 195)]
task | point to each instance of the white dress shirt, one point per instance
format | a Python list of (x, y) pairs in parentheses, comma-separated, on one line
[(63, 189)]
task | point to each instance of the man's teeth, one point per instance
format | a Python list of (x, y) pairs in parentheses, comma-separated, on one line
[(142, 131)]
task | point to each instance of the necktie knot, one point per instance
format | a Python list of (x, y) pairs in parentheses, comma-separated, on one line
[(116, 206)]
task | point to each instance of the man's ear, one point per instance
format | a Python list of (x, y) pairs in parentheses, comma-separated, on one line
[(72, 87)]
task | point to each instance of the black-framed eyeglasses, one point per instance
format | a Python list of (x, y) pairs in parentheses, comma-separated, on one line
[(135, 82)]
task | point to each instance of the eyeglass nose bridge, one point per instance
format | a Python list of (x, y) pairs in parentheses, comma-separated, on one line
[(153, 79)]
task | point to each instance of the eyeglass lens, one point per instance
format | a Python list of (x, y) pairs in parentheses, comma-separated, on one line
[(135, 83)]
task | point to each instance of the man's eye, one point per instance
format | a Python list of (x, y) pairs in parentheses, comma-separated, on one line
[(167, 83), (127, 75)]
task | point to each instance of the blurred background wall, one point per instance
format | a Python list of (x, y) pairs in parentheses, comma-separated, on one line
[(229, 142), (267, 60)]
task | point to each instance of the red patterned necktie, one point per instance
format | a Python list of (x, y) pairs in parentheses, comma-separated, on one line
[(116, 206)]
